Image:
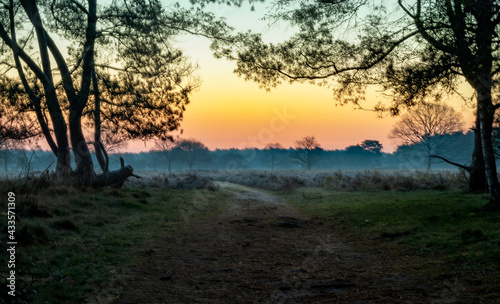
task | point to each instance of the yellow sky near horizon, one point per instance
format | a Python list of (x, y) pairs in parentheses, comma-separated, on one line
[(229, 112)]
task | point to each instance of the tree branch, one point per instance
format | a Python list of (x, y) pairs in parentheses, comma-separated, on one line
[(466, 168), (422, 30), (100, 151), (35, 100), (88, 58)]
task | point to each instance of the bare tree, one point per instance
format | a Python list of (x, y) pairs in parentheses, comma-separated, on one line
[(423, 128), (273, 152), (306, 152), (170, 150), (193, 152)]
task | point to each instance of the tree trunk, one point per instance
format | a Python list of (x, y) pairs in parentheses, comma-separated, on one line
[(429, 163), (100, 150), (477, 175), (84, 173), (63, 166), (486, 114)]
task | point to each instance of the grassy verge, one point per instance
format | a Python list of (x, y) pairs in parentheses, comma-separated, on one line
[(72, 244), (442, 225)]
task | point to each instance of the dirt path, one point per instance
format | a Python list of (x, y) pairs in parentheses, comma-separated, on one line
[(261, 250)]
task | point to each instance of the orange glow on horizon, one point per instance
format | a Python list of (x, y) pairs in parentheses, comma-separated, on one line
[(228, 112)]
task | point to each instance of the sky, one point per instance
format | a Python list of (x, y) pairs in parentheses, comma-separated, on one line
[(229, 112)]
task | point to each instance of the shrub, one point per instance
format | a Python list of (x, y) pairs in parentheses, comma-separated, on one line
[(290, 179), (290, 183), (192, 181)]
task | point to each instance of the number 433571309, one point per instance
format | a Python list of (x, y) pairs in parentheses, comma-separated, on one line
[(11, 216)]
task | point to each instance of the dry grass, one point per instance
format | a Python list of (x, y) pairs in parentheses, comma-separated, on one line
[(288, 180)]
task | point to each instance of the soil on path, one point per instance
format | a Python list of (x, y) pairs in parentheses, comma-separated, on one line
[(262, 250)]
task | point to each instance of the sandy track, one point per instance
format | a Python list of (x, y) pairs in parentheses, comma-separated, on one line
[(261, 250)]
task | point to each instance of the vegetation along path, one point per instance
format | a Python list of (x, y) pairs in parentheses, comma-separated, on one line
[(262, 250)]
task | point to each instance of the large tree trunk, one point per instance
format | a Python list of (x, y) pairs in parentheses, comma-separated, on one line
[(84, 172), (486, 113), (480, 71), (63, 168), (477, 175)]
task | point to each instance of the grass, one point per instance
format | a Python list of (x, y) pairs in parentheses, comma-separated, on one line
[(72, 245), (442, 225)]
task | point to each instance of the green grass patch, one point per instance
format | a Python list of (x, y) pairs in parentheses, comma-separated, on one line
[(447, 224), (74, 244)]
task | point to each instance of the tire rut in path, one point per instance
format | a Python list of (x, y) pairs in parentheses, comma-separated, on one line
[(261, 250)]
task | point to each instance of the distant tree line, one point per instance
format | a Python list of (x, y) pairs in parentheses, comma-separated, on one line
[(190, 154)]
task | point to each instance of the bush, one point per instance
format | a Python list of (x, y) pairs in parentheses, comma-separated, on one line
[(193, 181), (288, 180), (397, 181), (291, 183)]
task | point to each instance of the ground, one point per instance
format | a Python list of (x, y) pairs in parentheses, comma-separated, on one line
[(262, 250)]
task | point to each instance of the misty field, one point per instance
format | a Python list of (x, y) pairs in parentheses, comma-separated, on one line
[(78, 246), (343, 180)]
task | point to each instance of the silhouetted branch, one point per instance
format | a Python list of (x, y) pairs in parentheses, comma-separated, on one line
[(466, 168)]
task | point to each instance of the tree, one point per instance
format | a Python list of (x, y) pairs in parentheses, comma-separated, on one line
[(363, 155), (306, 152), (372, 146), (7, 148), (412, 50), (170, 150), (231, 159), (193, 152), (272, 154), (120, 75), (423, 128)]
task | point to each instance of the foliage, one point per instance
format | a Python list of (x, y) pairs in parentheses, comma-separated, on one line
[(372, 146), (15, 125), (121, 75), (394, 45)]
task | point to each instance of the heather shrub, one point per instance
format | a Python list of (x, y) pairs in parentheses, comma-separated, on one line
[(288, 180), (396, 181), (290, 183), (193, 181)]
